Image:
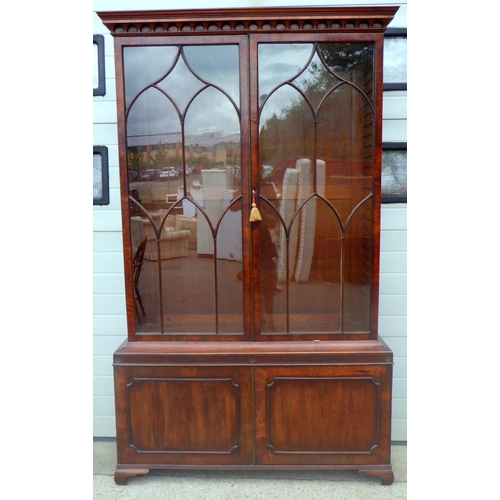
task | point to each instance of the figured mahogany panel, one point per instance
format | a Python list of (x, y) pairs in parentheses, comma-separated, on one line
[(183, 415), (322, 415), (190, 415)]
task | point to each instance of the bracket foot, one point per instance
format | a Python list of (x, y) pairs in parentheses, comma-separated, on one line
[(121, 475), (385, 474)]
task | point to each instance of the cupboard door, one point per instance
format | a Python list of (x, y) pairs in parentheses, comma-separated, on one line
[(184, 415), (322, 415)]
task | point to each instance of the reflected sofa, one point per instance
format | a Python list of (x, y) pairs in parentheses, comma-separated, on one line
[(174, 242)]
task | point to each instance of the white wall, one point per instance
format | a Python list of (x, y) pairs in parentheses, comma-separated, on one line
[(109, 295)]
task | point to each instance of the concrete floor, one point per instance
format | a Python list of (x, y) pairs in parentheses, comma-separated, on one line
[(247, 485)]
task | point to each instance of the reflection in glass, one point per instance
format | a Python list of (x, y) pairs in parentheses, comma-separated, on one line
[(286, 132), (395, 69), (344, 143), (217, 184), (181, 85), (142, 66), (212, 131), (357, 270), (316, 82), (96, 65), (98, 192), (281, 62), (351, 61), (394, 173), (152, 120), (272, 311), (316, 139), (230, 267), (216, 64)]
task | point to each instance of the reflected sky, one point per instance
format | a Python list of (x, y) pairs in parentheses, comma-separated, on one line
[(144, 65), (154, 117), (218, 65), (280, 62)]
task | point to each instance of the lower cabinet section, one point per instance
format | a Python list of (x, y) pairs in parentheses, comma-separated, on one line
[(250, 414)]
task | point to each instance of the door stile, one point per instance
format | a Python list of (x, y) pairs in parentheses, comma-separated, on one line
[(246, 198), (124, 187), (254, 418), (377, 182), (254, 183)]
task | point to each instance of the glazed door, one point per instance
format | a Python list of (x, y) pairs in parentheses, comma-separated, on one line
[(211, 128), (313, 103), (186, 104)]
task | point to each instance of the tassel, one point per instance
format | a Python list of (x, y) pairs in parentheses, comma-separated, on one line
[(254, 213)]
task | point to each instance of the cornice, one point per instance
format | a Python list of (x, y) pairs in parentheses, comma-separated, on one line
[(248, 20)]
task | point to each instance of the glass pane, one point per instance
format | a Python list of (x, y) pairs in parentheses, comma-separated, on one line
[(357, 261), (230, 267), (273, 307), (316, 81), (97, 176), (395, 60), (315, 289), (286, 134), (281, 62), (212, 129), (351, 61), (143, 66), (316, 146), (181, 85), (345, 137), (183, 138), (218, 65), (96, 65), (394, 180)]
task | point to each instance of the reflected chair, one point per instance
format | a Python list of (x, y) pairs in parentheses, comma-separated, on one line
[(136, 273)]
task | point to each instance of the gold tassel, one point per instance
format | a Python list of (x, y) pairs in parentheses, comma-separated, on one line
[(254, 213)]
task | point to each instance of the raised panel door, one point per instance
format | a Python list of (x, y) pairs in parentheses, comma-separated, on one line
[(184, 415), (322, 415)]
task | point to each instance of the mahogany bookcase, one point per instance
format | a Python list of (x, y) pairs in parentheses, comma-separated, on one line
[(252, 271)]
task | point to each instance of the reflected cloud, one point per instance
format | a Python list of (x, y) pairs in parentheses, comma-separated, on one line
[(209, 116)]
